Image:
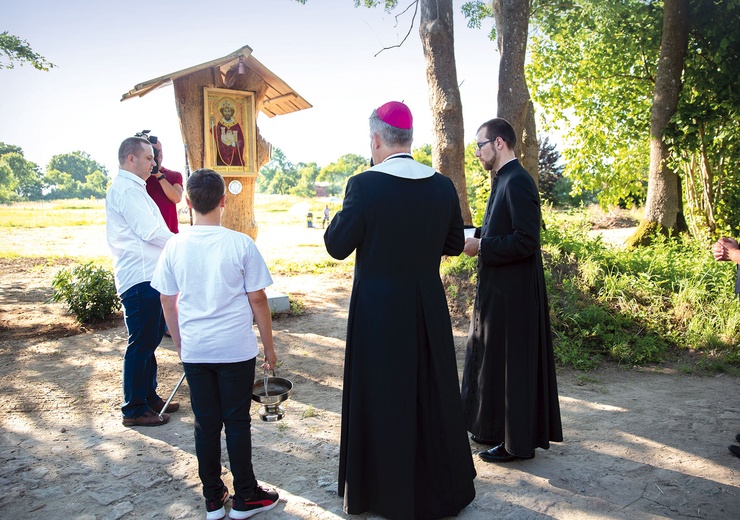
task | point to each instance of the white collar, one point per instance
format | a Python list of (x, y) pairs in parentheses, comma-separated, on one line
[(407, 168), (131, 176)]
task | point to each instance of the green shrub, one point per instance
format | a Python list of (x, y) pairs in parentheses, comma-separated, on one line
[(462, 265), (88, 290), (634, 307), (459, 278)]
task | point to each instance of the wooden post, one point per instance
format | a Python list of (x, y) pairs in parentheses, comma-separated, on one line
[(239, 211)]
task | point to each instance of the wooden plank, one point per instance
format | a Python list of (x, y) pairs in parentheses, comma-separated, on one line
[(257, 78)]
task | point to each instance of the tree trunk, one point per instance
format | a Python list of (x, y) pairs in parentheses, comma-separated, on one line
[(664, 208), (514, 103), (530, 156), (239, 212), (448, 150)]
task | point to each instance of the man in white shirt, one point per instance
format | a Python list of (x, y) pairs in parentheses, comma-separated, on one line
[(136, 234)]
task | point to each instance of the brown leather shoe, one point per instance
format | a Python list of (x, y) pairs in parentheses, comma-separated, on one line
[(148, 419), (172, 407)]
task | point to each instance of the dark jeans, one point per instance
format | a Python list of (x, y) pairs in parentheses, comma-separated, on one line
[(142, 311), (221, 394)]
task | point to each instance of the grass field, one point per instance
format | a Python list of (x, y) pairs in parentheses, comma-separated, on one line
[(634, 307), (52, 214), (75, 228), (275, 209)]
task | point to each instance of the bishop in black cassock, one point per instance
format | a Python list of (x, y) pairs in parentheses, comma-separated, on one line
[(404, 451)]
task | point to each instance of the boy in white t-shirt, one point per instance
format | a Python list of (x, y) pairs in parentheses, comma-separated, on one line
[(212, 282)]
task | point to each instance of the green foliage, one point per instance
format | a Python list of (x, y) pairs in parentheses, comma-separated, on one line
[(79, 165), (297, 307), (555, 188), (76, 175), (423, 154), (592, 71), (388, 5), (10, 148), (68, 176), (278, 166), (637, 306), (19, 179), (462, 266), (19, 51), (337, 173), (478, 183), (549, 165), (88, 290), (459, 276), (667, 301), (307, 174), (310, 412), (703, 133), (476, 11), (281, 177), (279, 266)]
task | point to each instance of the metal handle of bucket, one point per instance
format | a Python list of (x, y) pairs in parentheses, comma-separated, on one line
[(264, 383), (266, 377)]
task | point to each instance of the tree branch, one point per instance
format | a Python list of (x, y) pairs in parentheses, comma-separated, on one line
[(415, 4)]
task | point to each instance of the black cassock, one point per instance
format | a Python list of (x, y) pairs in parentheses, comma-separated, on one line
[(404, 450), (509, 388)]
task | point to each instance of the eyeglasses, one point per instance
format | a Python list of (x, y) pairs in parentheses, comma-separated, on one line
[(481, 145)]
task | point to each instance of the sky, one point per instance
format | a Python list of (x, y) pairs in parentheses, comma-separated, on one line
[(327, 51)]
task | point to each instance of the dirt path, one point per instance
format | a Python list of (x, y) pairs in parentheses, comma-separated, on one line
[(638, 443)]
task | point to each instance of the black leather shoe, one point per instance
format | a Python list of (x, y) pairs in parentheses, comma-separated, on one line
[(478, 440), (735, 450), (499, 454), (737, 437)]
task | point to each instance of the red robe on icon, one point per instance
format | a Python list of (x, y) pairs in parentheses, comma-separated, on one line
[(229, 139)]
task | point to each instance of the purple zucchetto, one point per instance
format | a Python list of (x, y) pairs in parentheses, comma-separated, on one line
[(396, 114)]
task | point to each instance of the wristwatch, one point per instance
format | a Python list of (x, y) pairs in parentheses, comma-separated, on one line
[(160, 177), (480, 242)]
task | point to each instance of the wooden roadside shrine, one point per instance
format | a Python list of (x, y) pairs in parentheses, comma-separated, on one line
[(217, 105)]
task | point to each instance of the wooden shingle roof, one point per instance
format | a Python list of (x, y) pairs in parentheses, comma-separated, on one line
[(279, 98)]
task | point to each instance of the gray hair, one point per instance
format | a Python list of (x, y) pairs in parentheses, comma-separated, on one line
[(390, 135)]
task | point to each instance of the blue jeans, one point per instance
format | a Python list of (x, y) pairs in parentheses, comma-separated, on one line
[(221, 395), (142, 312)]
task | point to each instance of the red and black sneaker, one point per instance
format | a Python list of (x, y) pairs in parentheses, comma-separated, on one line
[(262, 500), (215, 507)]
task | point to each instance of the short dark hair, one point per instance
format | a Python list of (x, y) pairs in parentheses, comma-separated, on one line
[(130, 146), (499, 127), (205, 189)]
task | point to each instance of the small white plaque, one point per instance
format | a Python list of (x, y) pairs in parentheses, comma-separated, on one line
[(235, 187)]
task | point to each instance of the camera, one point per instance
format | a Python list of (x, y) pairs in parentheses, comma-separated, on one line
[(153, 140), (145, 134)]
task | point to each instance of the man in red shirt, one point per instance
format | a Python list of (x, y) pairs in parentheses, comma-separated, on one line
[(165, 188)]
